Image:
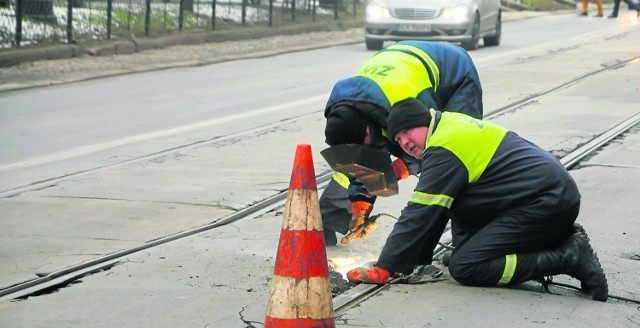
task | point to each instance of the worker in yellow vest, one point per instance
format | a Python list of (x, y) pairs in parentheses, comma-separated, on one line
[(515, 202), (440, 75)]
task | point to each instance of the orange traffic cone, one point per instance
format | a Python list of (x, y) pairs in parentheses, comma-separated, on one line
[(300, 293)]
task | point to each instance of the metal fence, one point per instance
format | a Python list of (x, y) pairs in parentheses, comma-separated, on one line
[(26, 22)]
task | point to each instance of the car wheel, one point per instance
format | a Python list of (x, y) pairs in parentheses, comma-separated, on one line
[(475, 36), (373, 44), (494, 40)]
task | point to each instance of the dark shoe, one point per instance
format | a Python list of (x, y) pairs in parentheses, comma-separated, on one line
[(446, 258), (330, 238), (613, 16), (598, 15), (583, 14), (582, 263), (576, 258), (579, 229)]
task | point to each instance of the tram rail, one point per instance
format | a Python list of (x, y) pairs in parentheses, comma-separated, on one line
[(342, 302), (355, 295), (362, 292), (509, 107)]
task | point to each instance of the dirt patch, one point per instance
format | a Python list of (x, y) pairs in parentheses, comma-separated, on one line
[(339, 285)]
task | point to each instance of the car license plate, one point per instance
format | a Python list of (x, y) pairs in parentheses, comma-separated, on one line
[(414, 27)]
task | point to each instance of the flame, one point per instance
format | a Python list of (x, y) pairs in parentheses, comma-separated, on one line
[(344, 264)]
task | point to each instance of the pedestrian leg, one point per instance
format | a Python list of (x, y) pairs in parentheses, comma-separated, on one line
[(585, 8)]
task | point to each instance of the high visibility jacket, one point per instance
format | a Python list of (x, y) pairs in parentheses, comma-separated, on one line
[(473, 171), (440, 75)]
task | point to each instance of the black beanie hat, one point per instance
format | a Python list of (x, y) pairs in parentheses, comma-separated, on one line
[(345, 126), (406, 114)]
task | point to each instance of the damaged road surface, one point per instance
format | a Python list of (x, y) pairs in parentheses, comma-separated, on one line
[(97, 167)]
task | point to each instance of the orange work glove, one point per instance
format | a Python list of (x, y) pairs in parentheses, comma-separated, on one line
[(400, 169), (375, 275), (361, 233), (360, 213), (367, 229)]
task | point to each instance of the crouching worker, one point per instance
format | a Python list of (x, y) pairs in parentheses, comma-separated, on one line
[(515, 200), (440, 75)]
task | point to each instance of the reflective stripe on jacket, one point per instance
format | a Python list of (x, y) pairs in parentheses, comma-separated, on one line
[(474, 171), (442, 76)]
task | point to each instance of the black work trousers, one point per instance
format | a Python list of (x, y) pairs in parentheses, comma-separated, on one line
[(335, 208), (480, 260)]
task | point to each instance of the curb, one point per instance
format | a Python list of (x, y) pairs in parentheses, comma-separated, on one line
[(13, 57), (41, 76), (122, 47)]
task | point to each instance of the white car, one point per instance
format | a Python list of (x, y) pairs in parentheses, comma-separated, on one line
[(459, 21)]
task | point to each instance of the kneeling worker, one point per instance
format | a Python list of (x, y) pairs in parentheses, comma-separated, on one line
[(515, 201)]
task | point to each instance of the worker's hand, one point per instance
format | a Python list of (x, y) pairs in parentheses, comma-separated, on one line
[(361, 233), (375, 275), (361, 211), (400, 169), (368, 227)]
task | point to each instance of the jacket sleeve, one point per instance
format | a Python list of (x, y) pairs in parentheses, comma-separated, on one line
[(422, 221), (358, 192)]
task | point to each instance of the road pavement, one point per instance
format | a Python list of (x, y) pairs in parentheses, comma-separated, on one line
[(180, 284), (38, 72)]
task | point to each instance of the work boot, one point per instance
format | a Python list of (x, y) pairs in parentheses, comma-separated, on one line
[(579, 229), (577, 259)]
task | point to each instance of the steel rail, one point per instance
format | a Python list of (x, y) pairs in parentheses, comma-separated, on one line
[(572, 159), (342, 302), (522, 102), (37, 185), (52, 181), (362, 292), (74, 272)]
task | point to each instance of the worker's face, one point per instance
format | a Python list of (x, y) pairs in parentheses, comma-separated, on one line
[(413, 140)]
